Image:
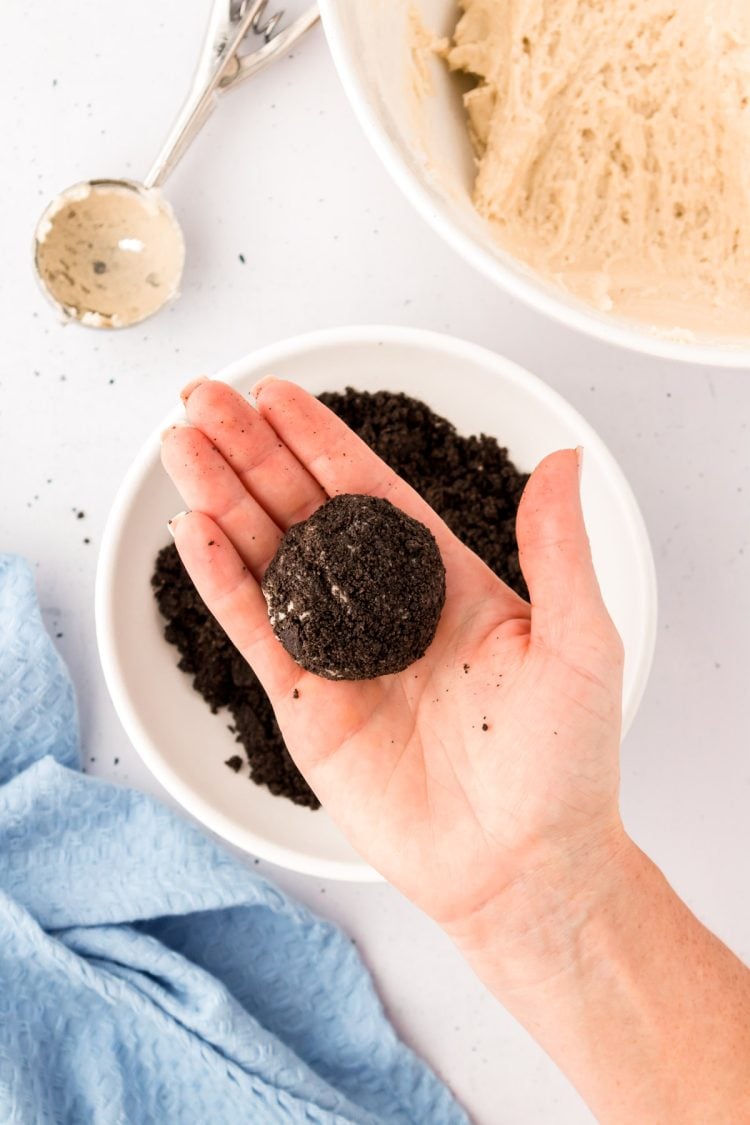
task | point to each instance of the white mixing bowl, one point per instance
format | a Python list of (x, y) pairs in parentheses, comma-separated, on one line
[(173, 729), (423, 141)]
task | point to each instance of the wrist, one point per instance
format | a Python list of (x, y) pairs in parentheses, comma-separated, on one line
[(539, 926), (645, 1011)]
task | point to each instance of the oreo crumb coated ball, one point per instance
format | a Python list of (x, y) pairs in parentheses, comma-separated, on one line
[(356, 590)]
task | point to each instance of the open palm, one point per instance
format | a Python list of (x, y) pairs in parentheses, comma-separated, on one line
[(495, 749)]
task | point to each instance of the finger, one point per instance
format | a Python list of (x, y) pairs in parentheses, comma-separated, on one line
[(233, 596), (265, 465), (340, 461), (208, 484), (554, 552)]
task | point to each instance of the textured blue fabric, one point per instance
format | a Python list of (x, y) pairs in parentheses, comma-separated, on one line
[(146, 976)]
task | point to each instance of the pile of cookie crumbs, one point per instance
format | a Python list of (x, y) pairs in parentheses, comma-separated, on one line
[(469, 481)]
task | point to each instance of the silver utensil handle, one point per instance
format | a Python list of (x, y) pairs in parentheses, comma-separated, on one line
[(282, 40), (220, 69)]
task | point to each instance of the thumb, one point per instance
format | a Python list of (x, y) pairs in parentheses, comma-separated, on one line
[(554, 552)]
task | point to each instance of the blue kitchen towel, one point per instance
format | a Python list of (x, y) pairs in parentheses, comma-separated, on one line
[(145, 975)]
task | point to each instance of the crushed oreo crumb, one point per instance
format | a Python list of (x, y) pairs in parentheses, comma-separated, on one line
[(469, 481), (225, 679)]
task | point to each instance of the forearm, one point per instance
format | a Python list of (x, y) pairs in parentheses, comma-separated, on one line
[(646, 1012)]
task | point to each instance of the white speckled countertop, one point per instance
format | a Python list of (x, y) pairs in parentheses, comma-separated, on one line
[(283, 176)]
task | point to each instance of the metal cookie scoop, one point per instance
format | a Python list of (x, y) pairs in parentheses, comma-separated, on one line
[(109, 253)]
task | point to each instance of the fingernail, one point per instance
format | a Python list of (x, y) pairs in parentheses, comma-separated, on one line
[(188, 389), (579, 460), (178, 425), (171, 523), (262, 384)]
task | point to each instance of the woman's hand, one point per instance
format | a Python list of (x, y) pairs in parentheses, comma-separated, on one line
[(483, 780), (490, 762)]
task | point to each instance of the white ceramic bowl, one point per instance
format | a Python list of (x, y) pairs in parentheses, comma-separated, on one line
[(424, 143), (170, 725)]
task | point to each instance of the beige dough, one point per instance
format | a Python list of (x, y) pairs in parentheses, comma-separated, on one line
[(613, 148), (109, 254)]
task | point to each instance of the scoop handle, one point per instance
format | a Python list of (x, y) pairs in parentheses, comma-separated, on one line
[(213, 76)]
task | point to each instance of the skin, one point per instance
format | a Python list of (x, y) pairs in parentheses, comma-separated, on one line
[(482, 781)]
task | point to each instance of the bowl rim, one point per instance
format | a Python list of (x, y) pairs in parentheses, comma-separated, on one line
[(532, 292), (355, 870)]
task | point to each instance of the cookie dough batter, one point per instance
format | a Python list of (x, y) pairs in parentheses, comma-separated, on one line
[(109, 254), (613, 146), (356, 591)]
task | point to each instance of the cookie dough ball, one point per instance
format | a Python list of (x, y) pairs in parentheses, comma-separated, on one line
[(356, 591)]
